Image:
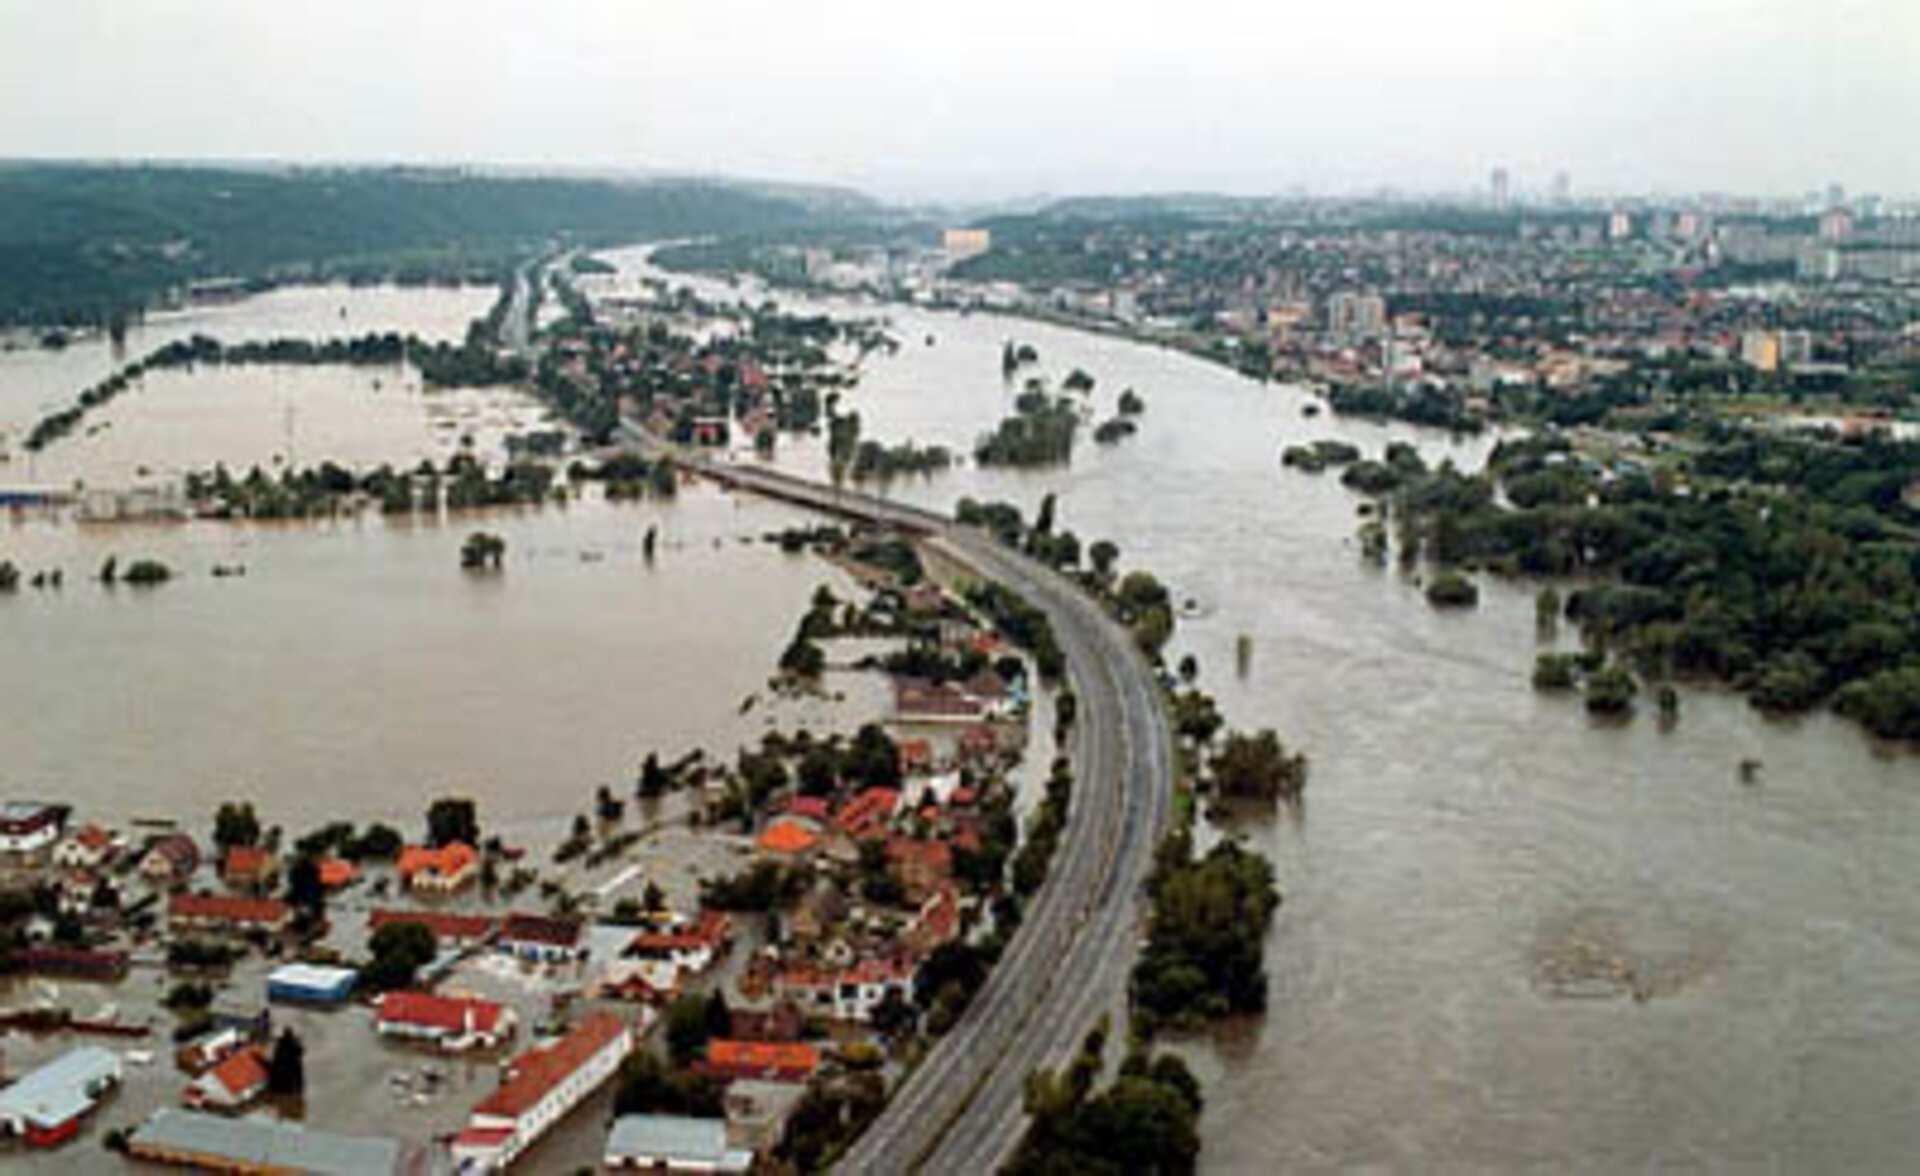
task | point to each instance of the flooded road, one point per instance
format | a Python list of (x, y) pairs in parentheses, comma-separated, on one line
[(1513, 938)]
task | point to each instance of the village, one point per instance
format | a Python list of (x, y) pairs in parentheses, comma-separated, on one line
[(723, 966)]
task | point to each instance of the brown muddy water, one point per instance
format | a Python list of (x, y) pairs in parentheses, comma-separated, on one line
[(1513, 938)]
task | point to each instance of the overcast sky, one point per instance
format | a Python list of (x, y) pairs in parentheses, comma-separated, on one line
[(996, 98)]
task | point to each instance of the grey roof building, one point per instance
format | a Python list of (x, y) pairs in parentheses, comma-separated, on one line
[(674, 1143), (48, 1104), (262, 1145)]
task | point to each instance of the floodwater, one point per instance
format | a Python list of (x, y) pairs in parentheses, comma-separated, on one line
[(36, 381), (1513, 938), (354, 670)]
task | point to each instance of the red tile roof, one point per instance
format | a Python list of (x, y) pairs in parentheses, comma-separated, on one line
[(247, 862), (535, 1073), (710, 931), (216, 908), (242, 1073), (867, 814), (542, 929), (446, 1013), (811, 807)]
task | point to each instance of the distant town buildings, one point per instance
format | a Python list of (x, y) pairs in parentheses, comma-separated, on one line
[(1356, 317), (961, 244)]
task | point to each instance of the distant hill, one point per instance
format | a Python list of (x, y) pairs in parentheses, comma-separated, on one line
[(80, 243)]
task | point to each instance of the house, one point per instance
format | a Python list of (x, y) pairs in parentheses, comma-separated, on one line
[(455, 1024), (75, 892), (849, 994), (439, 871), (249, 868), (335, 873), (28, 826), (937, 922), (919, 701), (996, 699), (822, 908), (89, 848), (916, 756), (919, 866), (311, 984), (71, 963), (235, 1082), (225, 1034), (658, 958), (787, 839), (779, 1020), (861, 989), (866, 816), (448, 930), (920, 791), (214, 1143), (46, 1106), (925, 599), (171, 861), (758, 1111), (540, 1088), (763, 1061), (810, 808), (222, 914), (673, 1143), (542, 939)]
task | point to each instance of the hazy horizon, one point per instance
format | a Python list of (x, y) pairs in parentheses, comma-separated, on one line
[(997, 101)]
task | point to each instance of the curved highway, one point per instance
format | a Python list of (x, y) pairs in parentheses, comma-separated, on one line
[(962, 1109)]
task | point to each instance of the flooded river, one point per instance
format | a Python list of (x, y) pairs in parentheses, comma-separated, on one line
[(1513, 938)]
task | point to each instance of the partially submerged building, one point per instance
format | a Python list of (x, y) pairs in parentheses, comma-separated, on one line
[(47, 1105), (213, 1143)]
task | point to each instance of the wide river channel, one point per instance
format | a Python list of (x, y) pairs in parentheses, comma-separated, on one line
[(1513, 938)]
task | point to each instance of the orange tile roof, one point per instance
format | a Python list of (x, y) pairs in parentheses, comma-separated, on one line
[(334, 872), (792, 1056), (787, 837), (446, 861)]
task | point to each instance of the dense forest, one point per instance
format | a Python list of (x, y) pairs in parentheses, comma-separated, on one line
[(89, 244)]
